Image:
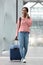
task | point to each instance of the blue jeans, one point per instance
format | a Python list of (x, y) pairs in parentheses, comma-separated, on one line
[(23, 41)]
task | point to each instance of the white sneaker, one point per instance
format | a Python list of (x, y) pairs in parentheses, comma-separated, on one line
[(24, 61)]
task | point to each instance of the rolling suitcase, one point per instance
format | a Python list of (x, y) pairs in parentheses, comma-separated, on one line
[(15, 51)]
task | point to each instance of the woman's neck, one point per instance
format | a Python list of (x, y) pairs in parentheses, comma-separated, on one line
[(24, 16)]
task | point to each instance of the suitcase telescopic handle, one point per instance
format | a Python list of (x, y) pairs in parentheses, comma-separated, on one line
[(15, 42)]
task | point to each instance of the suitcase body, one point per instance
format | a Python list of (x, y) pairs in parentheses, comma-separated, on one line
[(15, 52)]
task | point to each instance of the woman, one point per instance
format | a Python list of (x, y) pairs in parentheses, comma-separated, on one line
[(23, 30)]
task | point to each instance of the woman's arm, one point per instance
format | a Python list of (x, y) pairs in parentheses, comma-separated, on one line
[(17, 29), (29, 22)]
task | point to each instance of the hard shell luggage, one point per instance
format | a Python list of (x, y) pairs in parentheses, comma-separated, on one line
[(15, 51)]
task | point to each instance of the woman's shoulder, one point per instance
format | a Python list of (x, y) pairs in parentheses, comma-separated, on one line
[(30, 19)]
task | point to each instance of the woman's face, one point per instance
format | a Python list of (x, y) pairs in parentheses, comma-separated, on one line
[(24, 11)]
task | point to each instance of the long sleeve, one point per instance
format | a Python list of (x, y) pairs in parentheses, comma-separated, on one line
[(29, 23)]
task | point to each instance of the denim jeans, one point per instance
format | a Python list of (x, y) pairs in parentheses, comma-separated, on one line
[(23, 38)]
